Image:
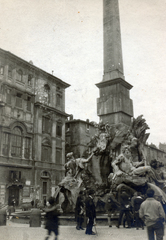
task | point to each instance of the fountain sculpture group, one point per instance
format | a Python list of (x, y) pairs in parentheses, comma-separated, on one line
[(117, 161)]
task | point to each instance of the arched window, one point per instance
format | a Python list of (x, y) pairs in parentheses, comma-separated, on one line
[(16, 150)]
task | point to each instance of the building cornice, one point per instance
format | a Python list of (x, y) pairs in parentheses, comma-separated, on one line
[(115, 113), (15, 165), (113, 82), (17, 88), (55, 110), (31, 66)]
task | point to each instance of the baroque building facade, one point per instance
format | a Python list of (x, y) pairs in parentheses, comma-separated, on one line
[(32, 129)]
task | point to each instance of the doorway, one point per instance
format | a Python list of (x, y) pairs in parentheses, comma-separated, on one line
[(45, 180), (13, 194)]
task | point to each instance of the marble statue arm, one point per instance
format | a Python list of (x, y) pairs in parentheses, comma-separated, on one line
[(138, 164), (88, 159), (142, 153), (116, 170)]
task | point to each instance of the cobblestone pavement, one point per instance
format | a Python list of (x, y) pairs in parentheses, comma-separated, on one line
[(15, 231)]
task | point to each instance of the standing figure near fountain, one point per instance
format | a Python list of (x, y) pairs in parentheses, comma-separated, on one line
[(112, 205), (125, 209), (79, 210), (136, 206), (90, 212)]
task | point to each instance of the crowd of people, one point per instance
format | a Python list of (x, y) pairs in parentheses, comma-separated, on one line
[(85, 206), (136, 212)]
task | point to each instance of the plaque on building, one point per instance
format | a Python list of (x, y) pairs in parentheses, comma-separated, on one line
[(26, 192)]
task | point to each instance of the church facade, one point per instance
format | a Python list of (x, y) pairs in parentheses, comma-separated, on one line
[(32, 129)]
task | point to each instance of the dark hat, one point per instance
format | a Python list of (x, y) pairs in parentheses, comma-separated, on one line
[(81, 192), (91, 191), (150, 192)]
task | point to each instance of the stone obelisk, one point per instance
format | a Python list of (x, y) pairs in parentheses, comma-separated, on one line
[(114, 104)]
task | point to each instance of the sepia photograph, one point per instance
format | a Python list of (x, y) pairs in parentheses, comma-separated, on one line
[(82, 119)]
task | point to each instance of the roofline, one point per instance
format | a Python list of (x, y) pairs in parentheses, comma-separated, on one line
[(79, 120), (37, 68), (147, 145)]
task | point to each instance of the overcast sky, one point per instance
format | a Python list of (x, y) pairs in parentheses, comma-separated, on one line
[(66, 36)]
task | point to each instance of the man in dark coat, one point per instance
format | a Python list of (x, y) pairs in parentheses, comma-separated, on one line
[(79, 210), (90, 212), (111, 206), (136, 206), (125, 208), (52, 221)]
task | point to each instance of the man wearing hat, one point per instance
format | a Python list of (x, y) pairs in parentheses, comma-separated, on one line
[(90, 212)]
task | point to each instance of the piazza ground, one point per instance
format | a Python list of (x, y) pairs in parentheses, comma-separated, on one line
[(15, 231)]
